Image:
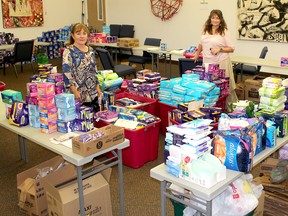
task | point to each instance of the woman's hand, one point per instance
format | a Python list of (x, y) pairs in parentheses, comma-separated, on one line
[(215, 51), (77, 95)]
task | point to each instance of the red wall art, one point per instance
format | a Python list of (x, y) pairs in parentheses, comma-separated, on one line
[(22, 13), (165, 9)]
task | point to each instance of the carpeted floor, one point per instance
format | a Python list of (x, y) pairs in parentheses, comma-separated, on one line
[(141, 192)]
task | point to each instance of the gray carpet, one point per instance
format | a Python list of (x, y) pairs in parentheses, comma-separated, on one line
[(141, 192)]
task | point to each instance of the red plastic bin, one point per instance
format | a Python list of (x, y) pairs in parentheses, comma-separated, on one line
[(150, 104), (163, 115), (221, 103), (2, 86), (143, 144)]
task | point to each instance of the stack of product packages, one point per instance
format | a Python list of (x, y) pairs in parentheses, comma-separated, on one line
[(196, 84), (146, 83), (187, 153)]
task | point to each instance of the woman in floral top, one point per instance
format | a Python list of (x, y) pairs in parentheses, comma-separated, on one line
[(79, 66)]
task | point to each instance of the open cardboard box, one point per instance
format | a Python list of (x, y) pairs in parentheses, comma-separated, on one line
[(113, 136), (31, 192), (63, 199)]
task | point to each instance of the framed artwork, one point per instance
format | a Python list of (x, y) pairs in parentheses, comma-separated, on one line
[(263, 20), (22, 13)]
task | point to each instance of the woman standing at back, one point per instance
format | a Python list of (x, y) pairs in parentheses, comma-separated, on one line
[(215, 45)]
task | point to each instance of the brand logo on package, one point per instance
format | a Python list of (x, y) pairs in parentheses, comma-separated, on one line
[(99, 145)]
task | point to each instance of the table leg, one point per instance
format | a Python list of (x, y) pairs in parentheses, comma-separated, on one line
[(163, 198), (80, 190), (241, 72), (152, 67), (170, 65), (25, 149), (21, 147), (157, 62), (121, 185), (209, 208)]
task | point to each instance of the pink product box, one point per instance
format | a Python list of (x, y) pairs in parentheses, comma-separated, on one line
[(48, 115), (46, 103), (32, 100), (49, 128), (57, 77), (213, 67), (284, 62), (32, 89), (46, 89)]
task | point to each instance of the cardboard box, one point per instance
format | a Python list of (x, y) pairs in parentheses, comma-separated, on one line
[(259, 211), (240, 91), (113, 136), (63, 199), (268, 165), (128, 42), (251, 88), (31, 192)]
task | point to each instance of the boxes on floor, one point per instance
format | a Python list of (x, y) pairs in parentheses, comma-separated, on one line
[(259, 211), (268, 165), (31, 192), (63, 199), (113, 136), (240, 91), (252, 87)]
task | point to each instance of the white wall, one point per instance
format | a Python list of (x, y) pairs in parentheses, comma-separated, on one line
[(184, 28), (57, 14)]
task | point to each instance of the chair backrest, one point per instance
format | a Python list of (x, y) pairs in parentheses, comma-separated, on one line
[(105, 58), (115, 30), (24, 50), (127, 31), (187, 64), (151, 42), (262, 55)]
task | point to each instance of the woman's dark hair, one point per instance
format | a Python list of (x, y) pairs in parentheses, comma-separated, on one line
[(222, 26), (76, 28)]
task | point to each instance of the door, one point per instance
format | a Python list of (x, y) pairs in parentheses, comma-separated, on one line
[(96, 14)]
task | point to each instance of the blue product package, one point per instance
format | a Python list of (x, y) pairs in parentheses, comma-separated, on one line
[(270, 134), (232, 151)]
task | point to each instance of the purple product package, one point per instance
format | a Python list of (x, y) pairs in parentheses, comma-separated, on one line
[(19, 114)]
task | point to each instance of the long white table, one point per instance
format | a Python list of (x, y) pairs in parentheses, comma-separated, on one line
[(34, 135), (269, 63), (11, 46), (202, 195)]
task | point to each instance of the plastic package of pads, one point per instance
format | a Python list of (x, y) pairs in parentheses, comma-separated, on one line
[(272, 82), (270, 134), (231, 150), (179, 89), (271, 93), (273, 102)]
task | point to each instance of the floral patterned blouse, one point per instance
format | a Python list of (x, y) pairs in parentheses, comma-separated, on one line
[(80, 70)]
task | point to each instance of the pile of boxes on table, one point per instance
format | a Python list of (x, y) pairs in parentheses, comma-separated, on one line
[(49, 189), (195, 85), (146, 83), (55, 39)]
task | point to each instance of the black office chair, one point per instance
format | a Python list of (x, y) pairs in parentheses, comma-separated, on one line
[(121, 69), (249, 69), (146, 57), (115, 30), (23, 52), (127, 31), (187, 64)]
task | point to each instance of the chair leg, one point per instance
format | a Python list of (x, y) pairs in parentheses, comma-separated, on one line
[(21, 67), (15, 70)]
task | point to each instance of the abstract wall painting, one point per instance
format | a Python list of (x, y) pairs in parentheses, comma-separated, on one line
[(22, 13), (263, 20)]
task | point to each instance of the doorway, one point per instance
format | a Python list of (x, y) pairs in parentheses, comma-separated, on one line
[(96, 11)]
